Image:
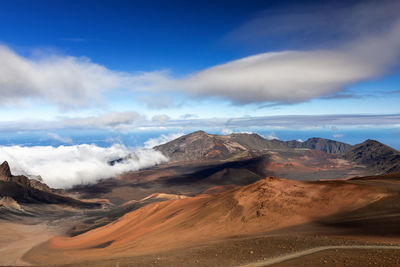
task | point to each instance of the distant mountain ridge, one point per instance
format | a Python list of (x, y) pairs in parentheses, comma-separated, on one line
[(375, 155), (315, 143), (201, 145)]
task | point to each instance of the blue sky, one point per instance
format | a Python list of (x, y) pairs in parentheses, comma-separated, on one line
[(129, 66)]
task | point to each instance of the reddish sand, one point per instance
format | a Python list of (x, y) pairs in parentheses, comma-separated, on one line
[(268, 204), (219, 189)]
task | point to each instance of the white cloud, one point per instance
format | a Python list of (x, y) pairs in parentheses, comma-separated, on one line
[(64, 80), (226, 131), (293, 76), (287, 76), (162, 139), (271, 136), (59, 138), (111, 119), (161, 102), (338, 135), (129, 122), (65, 166), (189, 116), (161, 118)]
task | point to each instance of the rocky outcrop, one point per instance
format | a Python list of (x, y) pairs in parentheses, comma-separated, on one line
[(5, 172), (10, 204), (28, 191)]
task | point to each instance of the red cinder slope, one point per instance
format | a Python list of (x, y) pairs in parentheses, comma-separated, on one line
[(268, 204)]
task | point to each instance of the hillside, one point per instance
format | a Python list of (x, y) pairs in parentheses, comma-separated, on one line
[(374, 155), (203, 146), (268, 204)]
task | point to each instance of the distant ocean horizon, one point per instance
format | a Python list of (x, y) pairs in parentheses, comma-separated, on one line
[(106, 138)]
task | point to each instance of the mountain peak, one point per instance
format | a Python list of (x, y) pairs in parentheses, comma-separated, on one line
[(371, 142), (5, 170), (377, 156), (199, 134)]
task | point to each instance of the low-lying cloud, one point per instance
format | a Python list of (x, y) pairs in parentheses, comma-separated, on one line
[(271, 136), (66, 166), (59, 138), (226, 125), (162, 139)]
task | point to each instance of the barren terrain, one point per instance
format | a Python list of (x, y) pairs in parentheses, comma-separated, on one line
[(225, 207)]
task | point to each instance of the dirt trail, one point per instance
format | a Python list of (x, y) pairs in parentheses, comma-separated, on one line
[(16, 239), (302, 253)]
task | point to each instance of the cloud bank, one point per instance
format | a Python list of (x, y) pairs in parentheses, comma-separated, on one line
[(66, 166), (63, 80), (134, 122)]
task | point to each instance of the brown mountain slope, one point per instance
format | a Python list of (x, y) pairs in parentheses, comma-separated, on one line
[(378, 157), (268, 204), (200, 146), (203, 146)]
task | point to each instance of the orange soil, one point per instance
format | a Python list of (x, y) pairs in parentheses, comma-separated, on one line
[(268, 204), (219, 189)]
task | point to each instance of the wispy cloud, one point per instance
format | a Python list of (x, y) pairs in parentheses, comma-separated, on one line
[(314, 24), (131, 121), (107, 120), (338, 136), (369, 49), (162, 139), (188, 116), (63, 80), (271, 136), (161, 118), (59, 138)]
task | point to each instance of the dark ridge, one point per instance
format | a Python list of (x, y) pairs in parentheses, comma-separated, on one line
[(30, 195), (241, 172), (103, 245), (30, 191), (376, 156), (380, 218), (388, 176)]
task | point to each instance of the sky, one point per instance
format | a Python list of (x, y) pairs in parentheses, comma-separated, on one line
[(131, 66), (91, 80)]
